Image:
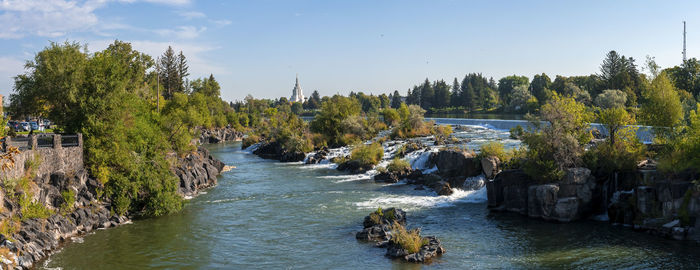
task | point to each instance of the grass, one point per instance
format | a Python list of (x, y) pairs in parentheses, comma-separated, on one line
[(398, 165), (68, 200), (410, 240), (9, 226), (367, 155), (48, 130)]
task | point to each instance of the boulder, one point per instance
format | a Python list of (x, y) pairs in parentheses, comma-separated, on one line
[(566, 209), (452, 163), (490, 166), (443, 188), (542, 200)]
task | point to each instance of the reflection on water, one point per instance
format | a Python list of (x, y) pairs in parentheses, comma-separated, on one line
[(267, 215)]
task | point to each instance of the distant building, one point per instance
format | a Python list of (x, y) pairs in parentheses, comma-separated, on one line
[(297, 95)]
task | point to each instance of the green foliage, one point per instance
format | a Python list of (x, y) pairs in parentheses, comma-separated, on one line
[(68, 200), (398, 165), (621, 155), (328, 120), (410, 240), (684, 146), (559, 145), (614, 119), (31, 209), (391, 116), (663, 106), (412, 123), (367, 154), (611, 98), (495, 149), (9, 226)]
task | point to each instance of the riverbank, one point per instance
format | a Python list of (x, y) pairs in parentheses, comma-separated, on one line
[(74, 198)]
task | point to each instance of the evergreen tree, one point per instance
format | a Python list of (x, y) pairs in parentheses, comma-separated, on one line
[(442, 94), (169, 74), (456, 93), (396, 100), (182, 73), (427, 95)]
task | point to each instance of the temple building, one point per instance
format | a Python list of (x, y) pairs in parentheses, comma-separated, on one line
[(297, 95)]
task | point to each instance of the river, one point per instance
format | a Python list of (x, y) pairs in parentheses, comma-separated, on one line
[(270, 215)]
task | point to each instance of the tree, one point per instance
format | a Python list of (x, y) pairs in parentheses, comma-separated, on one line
[(442, 94), (169, 74), (456, 93), (328, 120), (467, 95), (559, 145), (396, 100), (208, 87), (663, 105), (427, 95), (297, 108), (539, 87), (611, 98), (520, 99), (613, 119), (572, 90), (314, 102), (507, 84), (182, 73), (686, 76)]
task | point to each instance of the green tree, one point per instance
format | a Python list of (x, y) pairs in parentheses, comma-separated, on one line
[(611, 98), (427, 95), (507, 84), (614, 119), (328, 120), (442, 94), (539, 87), (396, 100), (663, 106)]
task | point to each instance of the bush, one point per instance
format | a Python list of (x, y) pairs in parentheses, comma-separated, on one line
[(410, 240), (495, 149), (555, 147), (684, 147), (623, 155), (31, 209), (398, 165), (367, 154), (391, 116), (68, 200)]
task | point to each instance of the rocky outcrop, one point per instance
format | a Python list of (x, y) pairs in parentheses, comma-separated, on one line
[(219, 135), (72, 198), (377, 224), (490, 166), (378, 228), (274, 150), (354, 167), (456, 163), (565, 201), (317, 157), (197, 171)]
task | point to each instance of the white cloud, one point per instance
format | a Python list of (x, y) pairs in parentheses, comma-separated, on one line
[(220, 22), (192, 15), (182, 32), (55, 18)]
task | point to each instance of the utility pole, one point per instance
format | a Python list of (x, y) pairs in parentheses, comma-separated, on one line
[(684, 53), (158, 84)]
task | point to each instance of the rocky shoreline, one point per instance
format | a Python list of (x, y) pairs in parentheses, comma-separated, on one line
[(386, 229), (219, 135), (37, 238)]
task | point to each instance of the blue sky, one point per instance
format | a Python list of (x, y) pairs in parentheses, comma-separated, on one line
[(257, 47)]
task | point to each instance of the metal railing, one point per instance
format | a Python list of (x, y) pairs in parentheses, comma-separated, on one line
[(44, 142), (69, 140)]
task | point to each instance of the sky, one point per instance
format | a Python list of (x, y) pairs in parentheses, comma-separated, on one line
[(374, 46)]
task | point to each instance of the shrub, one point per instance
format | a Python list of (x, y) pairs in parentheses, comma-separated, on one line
[(68, 200), (367, 154), (495, 149), (9, 226), (553, 148), (376, 216), (31, 209), (410, 240), (684, 146), (391, 116), (623, 155), (398, 165), (250, 140)]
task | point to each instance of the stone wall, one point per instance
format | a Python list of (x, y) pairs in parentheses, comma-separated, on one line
[(53, 153)]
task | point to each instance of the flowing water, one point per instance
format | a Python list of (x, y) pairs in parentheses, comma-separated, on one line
[(270, 215)]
